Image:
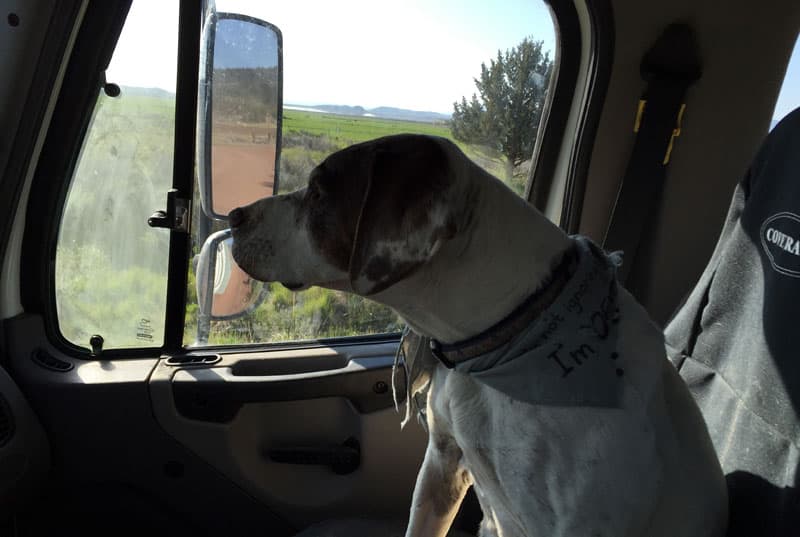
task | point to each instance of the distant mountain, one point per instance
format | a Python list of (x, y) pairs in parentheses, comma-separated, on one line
[(147, 92), (386, 112), (411, 115), (340, 109)]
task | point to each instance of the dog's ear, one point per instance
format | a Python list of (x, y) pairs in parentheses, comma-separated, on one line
[(405, 215)]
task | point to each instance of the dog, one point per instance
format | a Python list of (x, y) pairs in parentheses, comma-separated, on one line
[(546, 385)]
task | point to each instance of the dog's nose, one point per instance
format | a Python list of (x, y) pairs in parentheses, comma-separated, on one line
[(236, 217)]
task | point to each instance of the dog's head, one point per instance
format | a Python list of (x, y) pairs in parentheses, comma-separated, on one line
[(371, 214)]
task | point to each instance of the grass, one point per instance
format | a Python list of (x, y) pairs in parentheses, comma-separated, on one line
[(341, 131), (113, 287), (350, 129)]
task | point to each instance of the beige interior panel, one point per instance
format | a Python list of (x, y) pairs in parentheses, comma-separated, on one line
[(380, 487), (24, 448), (744, 47)]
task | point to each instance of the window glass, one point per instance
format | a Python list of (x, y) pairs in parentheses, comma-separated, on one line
[(111, 267), (474, 72), (789, 97)]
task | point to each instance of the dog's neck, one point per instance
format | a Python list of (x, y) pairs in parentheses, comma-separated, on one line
[(478, 278)]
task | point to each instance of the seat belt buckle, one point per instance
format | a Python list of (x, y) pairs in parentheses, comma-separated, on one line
[(675, 133), (639, 114)]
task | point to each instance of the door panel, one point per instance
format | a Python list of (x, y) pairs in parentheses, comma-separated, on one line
[(218, 393), (238, 412), (122, 451), (115, 470)]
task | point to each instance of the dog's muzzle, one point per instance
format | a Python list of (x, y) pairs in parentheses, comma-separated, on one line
[(236, 217)]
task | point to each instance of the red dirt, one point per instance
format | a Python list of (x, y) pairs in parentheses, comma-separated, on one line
[(233, 302), (241, 174)]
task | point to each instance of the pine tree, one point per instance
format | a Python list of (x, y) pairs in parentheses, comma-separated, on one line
[(505, 113)]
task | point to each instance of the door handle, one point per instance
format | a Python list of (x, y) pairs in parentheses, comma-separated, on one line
[(216, 394), (343, 459)]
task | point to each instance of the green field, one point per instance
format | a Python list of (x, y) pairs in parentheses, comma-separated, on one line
[(111, 267), (351, 129), (308, 137)]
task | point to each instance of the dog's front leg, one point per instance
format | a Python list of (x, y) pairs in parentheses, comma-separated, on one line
[(441, 485)]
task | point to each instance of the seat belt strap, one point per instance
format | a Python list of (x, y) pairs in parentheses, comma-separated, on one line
[(670, 66)]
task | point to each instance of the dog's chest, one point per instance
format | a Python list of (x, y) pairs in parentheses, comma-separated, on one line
[(539, 466)]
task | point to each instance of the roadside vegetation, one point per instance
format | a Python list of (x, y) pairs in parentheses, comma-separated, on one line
[(307, 138), (111, 268)]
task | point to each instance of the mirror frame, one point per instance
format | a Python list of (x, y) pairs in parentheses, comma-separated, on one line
[(207, 259), (204, 100)]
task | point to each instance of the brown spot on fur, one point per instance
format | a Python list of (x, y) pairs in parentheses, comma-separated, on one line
[(378, 267), (455, 479), (443, 504), (333, 203), (381, 268), (445, 445), (410, 177), (393, 184)]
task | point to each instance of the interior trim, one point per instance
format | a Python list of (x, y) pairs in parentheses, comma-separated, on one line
[(552, 129), (189, 29), (97, 37), (601, 59), (59, 37)]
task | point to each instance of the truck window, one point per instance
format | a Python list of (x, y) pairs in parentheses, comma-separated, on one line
[(357, 71), (111, 267), (352, 72), (789, 96)]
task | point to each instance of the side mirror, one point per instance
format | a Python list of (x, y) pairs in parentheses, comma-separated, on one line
[(224, 291), (240, 110)]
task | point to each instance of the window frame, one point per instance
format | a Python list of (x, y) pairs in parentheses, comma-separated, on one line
[(75, 106), (595, 25), (792, 68), (553, 125), (45, 77), (600, 27), (83, 80)]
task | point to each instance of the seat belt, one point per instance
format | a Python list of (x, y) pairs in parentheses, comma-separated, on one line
[(670, 66)]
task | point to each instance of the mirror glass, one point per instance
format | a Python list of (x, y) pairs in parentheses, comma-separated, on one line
[(241, 92), (238, 143), (223, 289)]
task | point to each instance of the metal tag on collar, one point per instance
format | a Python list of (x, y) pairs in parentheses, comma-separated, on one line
[(436, 350)]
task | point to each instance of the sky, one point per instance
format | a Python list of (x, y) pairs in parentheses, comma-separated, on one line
[(368, 52), (239, 44), (354, 52), (789, 98)]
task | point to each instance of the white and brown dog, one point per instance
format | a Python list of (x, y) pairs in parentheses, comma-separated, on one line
[(552, 393)]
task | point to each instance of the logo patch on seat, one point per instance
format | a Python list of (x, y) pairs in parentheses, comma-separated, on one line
[(780, 237)]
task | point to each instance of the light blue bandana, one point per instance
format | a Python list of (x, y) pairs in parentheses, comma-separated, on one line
[(568, 355)]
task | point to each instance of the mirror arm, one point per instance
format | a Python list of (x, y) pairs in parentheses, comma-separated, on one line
[(206, 300), (204, 316)]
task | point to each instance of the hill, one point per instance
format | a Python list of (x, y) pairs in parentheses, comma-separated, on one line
[(147, 92), (384, 112)]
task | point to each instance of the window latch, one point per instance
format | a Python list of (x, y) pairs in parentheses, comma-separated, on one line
[(176, 217)]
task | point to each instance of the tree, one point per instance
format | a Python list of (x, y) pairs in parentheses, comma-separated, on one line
[(505, 113)]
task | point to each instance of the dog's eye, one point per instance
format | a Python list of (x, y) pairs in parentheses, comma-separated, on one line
[(313, 193)]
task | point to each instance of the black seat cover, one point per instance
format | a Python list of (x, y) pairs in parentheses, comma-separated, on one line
[(736, 341)]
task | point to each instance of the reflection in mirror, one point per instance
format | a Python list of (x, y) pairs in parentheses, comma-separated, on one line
[(241, 92), (224, 291)]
